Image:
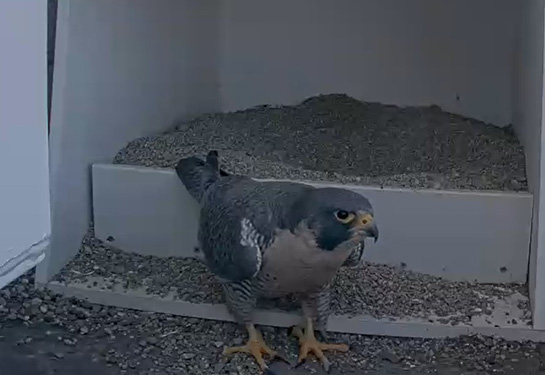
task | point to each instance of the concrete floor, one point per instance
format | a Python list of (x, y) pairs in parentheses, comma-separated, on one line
[(39, 351)]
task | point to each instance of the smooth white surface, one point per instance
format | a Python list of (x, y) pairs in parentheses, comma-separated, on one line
[(459, 236), (528, 123), (154, 215), (416, 52), (539, 281), (361, 324), (539, 305), (539, 297), (129, 68), (24, 181), (123, 69)]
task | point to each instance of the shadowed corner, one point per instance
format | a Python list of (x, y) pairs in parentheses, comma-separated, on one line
[(279, 367)]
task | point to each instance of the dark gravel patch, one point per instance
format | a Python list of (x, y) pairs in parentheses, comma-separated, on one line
[(37, 326), (338, 138), (379, 290)]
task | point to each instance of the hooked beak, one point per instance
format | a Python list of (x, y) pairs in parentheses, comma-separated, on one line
[(372, 231)]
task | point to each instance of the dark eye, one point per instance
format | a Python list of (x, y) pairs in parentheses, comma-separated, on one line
[(344, 217)]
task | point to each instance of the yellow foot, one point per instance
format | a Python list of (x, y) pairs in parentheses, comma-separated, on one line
[(255, 347), (309, 344)]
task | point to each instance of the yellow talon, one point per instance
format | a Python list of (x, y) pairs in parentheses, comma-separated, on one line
[(255, 346), (309, 344)]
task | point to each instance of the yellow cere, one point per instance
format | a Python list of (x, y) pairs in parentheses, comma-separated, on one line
[(366, 219)]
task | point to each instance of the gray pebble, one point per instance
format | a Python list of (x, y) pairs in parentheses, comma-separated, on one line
[(195, 337), (218, 368), (218, 344), (58, 355), (188, 356), (390, 356), (355, 291), (338, 138)]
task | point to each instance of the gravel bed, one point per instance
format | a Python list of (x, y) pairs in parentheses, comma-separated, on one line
[(379, 290), (338, 138), (144, 343)]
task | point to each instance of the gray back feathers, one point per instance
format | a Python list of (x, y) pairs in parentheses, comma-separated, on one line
[(239, 216)]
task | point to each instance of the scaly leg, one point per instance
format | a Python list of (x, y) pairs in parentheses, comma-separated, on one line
[(309, 344), (255, 346)]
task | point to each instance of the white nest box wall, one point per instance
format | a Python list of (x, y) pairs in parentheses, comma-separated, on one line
[(127, 68), (123, 69), (529, 124), (455, 54)]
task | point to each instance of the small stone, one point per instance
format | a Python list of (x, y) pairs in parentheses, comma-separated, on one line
[(49, 316), (187, 356), (58, 355), (2, 302), (389, 356), (218, 344), (218, 368), (143, 343), (84, 330), (43, 309), (152, 340)]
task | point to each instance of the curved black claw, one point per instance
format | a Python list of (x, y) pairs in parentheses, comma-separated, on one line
[(290, 330), (283, 358), (301, 363)]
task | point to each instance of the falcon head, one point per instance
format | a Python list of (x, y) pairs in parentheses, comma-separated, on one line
[(337, 215)]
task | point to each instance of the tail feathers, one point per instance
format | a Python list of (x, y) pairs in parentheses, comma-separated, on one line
[(198, 175), (212, 159)]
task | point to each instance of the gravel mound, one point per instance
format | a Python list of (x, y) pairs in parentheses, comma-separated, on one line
[(379, 290), (143, 343), (338, 138)]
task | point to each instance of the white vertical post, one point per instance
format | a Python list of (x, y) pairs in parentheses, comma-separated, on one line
[(25, 223), (539, 198)]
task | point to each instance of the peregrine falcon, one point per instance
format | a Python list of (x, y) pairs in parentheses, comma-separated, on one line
[(273, 239)]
